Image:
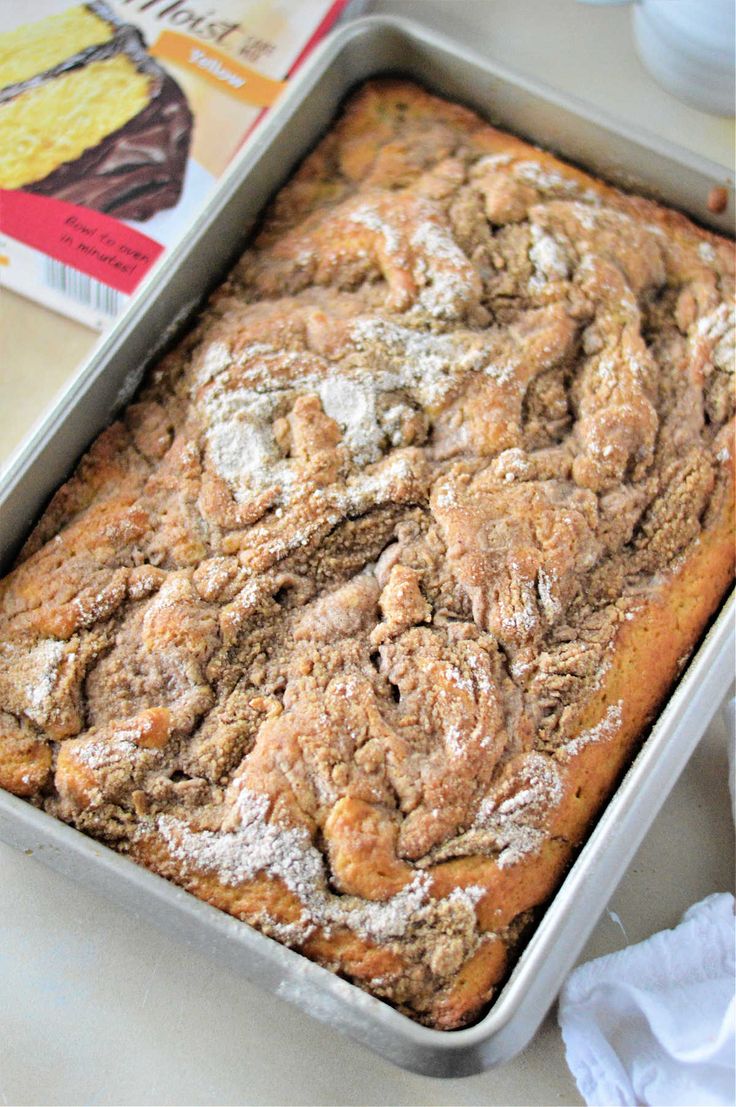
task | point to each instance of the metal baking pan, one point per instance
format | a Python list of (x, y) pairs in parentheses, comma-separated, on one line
[(368, 47)]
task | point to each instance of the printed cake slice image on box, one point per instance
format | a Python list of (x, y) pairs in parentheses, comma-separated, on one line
[(87, 116)]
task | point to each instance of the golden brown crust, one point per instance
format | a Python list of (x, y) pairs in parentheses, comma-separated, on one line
[(354, 621)]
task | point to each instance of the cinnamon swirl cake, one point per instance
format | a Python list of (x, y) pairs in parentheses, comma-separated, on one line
[(351, 623)]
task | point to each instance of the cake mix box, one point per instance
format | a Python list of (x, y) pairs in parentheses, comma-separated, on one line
[(117, 118)]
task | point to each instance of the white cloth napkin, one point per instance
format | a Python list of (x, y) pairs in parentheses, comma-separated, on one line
[(654, 1023)]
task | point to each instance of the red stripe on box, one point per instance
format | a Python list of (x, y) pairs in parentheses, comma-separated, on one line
[(96, 244)]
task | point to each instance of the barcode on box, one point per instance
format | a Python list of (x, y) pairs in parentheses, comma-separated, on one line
[(78, 286)]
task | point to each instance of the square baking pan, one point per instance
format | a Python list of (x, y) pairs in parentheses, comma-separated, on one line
[(160, 310)]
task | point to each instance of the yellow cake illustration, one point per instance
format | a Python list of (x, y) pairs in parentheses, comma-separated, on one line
[(87, 116)]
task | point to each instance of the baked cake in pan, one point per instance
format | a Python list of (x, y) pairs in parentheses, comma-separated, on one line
[(87, 116), (353, 620)]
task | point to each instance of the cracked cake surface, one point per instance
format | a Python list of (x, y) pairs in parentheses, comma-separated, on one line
[(352, 621)]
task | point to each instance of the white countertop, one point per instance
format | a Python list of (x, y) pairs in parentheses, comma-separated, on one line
[(98, 1006)]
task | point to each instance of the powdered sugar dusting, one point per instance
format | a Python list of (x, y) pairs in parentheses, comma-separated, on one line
[(716, 323), (717, 332), (382, 921), (367, 216), (452, 737), (443, 269), (606, 728), (257, 846), (520, 617), (548, 257), (547, 595), (445, 495), (44, 661), (546, 180), (518, 819), (492, 161), (352, 404), (215, 361), (120, 748), (366, 489), (388, 357), (240, 440), (427, 365), (469, 896)]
